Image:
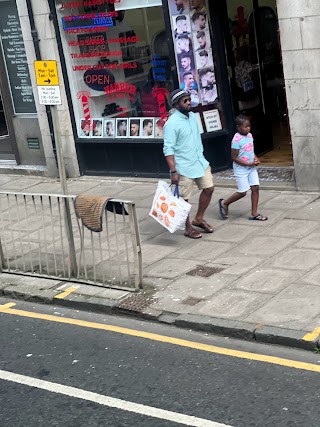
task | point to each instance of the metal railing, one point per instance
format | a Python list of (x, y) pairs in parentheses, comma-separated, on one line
[(41, 235)]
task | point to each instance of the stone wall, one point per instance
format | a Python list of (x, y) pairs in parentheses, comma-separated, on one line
[(49, 50), (299, 22)]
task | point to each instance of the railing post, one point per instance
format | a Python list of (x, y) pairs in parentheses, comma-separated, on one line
[(63, 181)]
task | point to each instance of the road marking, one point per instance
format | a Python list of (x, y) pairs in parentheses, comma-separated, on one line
[(311, 336), (166, 339), (112, 402), (67, 292), (9, 305)]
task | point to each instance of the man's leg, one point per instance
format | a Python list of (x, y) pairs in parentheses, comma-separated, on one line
[(204, 200)]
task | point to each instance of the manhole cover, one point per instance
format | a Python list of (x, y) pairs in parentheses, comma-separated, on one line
[(135, 302), (191, 301), (203, 271)]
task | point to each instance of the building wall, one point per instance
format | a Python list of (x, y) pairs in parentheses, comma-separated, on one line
[(49, 50), (299, 22)]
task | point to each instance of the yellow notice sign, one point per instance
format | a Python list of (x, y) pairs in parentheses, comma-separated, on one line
[(46, 73)]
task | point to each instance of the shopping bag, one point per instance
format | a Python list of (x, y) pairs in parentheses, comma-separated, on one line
[(168, 209)]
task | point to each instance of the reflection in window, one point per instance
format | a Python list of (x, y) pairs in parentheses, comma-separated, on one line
[(118, 66)]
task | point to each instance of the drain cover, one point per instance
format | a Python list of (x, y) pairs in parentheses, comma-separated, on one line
[(191, 301), (135, 302), (203, 271)]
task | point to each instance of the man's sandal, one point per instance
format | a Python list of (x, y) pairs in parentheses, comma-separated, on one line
[(193, 234), (204, 226)]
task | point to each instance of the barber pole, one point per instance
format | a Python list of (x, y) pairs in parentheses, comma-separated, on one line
[(84, 96), (161, 94)]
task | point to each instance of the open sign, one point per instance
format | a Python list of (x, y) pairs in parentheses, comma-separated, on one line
[(98, 79)]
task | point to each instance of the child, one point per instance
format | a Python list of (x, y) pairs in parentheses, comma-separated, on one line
[(244, 168)]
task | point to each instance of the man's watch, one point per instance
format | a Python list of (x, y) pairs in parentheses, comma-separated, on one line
[(173, 172)]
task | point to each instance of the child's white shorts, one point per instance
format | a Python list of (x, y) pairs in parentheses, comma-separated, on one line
[(246, 177)]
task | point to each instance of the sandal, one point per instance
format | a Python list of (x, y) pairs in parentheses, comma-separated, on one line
[(204, 226), (258, 218), (223, 211), (193, 234)]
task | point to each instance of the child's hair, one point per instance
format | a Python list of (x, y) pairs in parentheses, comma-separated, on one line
[(241, 119)]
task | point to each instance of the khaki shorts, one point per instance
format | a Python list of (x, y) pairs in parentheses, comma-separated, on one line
[(186, 184)]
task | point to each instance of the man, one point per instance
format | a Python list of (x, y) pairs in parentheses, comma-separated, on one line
[(186, 62), (182, 6), (147, 127), (183, 43), (199, 21), (109, 129), (183, 151), (134, 127), (203, 58), (190, 85), (202, 40), (207, 77), (122, 128), (188, 81), (181, 25), (198, 5)]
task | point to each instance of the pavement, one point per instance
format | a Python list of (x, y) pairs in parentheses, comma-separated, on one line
[(250, 280)]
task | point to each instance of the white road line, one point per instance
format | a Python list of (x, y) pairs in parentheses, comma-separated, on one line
[(112, 402)]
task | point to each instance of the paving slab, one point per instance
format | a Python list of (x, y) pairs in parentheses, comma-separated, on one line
[(290, 201), (268, 280), (293, 308), (237, 264), (293, 228), (232, 304), (297, 259), (170, 268), (230, 232), (263, 246), (203, 251), (312, 278), (196, 287), (310, 212), (312, 241)]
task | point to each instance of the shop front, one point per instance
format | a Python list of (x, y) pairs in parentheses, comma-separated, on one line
[(122, 59)]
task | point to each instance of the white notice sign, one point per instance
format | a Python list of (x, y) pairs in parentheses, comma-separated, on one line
[(212, 120), (49, 95)]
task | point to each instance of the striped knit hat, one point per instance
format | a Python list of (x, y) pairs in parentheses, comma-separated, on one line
[(178, 94)]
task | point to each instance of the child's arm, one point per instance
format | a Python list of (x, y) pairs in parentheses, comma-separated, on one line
[(236, 159)]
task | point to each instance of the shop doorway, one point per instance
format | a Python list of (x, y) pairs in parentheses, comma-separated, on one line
[(6, 126), (256, 77)]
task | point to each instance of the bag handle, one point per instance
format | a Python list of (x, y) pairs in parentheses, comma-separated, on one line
[(176, 191)]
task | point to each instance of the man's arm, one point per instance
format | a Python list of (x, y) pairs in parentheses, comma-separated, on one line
[(168, 151), (172, 167)]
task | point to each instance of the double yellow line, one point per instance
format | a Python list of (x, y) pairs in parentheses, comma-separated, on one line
[(7, 309)]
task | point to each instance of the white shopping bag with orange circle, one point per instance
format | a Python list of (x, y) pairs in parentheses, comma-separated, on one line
[(168, 209)]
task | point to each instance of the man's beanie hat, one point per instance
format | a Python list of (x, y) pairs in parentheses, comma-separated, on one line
[(177, 94)]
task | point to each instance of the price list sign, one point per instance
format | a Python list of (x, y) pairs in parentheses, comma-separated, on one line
[(15, 59)]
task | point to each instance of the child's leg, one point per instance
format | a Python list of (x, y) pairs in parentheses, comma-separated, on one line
[(254, 200), (241, 175)]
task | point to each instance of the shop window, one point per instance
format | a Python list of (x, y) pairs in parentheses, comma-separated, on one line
[(195, 59), (118, 64)]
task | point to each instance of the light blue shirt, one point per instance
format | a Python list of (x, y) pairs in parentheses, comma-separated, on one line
[(182, 140)]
